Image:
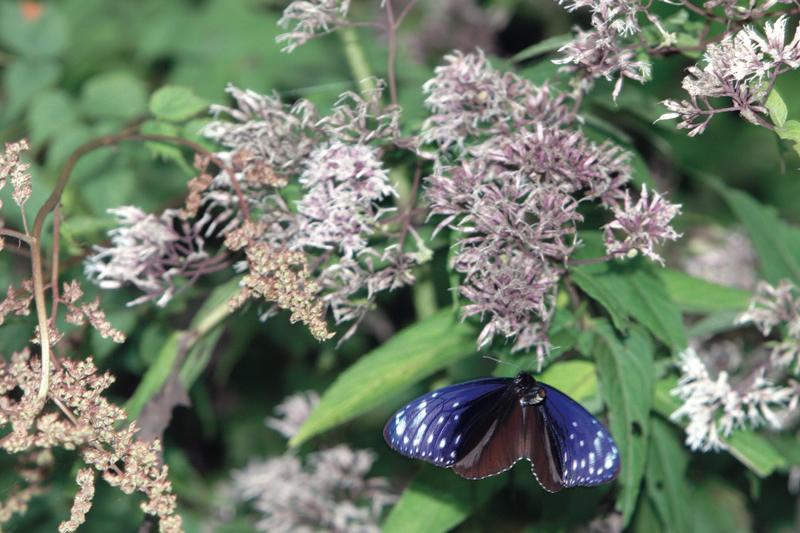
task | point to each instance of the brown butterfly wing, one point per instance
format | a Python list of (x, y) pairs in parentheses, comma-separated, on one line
[(506, 435)]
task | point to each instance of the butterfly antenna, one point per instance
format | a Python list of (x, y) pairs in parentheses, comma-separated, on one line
[(496, 360)]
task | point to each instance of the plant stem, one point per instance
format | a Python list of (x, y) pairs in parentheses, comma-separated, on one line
[(357, 61), (391, 62)]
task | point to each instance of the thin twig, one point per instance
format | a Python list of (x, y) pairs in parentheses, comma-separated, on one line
[(54, 263)]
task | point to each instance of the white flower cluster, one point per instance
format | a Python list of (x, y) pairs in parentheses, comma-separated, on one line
[(326, 491), (742, 69), (714, 408)]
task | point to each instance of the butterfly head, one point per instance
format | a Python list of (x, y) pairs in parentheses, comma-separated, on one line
[(528, 390)]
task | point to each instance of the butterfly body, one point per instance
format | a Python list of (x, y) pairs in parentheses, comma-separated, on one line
[(482, 428)]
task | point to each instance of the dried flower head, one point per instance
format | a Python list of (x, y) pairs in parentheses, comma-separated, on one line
[(282, 277), (17, 302), (76, 416), (643, 225), (13, 169), (82, 503)]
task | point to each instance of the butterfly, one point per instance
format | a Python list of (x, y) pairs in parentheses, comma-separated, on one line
[(483, 427)]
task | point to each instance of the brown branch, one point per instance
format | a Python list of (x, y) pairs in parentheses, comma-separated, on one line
[(16, 235), (54, 262)]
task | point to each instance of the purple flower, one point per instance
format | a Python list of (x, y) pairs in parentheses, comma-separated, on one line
[(643, 226), (344, 185), (469, 98)]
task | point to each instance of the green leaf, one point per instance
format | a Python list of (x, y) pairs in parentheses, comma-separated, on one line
[(163, 150), (50, 112), (777, 108), (213, 311), (411, 355), (697, 295), (43, 35), (718, 507), (750, 448), (551, 44), (155, 376), (24, 79), (114, 95), (437, 501), (576, 377), (776, 242), (176, 104), (601, 292), (634, 292), (715, 322), (666, 477), (755, 452), (626, 383), (789, 131)]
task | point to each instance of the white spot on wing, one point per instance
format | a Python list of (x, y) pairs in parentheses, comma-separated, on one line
[(420, 433)]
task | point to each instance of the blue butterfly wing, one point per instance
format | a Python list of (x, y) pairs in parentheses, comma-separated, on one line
[(580, 443), (440, 427)]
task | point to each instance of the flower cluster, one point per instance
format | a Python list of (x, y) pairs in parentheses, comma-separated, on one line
[(721, 255), (777, 307), (151, 252), (644, 225), (714, 407), (14, 170), (76, 416), (744, 9), (741, 69), (292, 413), (309, 19), (511, 169), (337, 236), (605, 51), (327, 490)]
